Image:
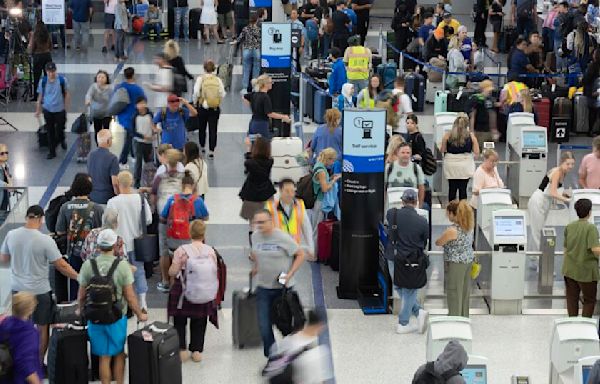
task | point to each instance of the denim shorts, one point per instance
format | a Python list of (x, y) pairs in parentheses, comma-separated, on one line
[(108, 339), (259, 127), (109, 21)]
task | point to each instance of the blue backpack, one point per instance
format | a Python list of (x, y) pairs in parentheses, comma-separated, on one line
[(312, 30)]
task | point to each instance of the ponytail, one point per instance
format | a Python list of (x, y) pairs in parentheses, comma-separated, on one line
[(463, 213)]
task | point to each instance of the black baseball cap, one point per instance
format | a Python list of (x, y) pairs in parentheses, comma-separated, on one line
[(35, 211), (50, 66)]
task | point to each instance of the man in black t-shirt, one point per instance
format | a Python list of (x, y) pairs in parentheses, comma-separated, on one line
[(483, 114), (311, 10), (341, 21), (362, 9), (225, 16)]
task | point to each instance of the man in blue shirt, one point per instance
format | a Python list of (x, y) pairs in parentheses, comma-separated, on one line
[(53, 100), (425, 30), (519, 62), (82, 11), (353, 19), (338, 72), (125, 118), (172, 120)]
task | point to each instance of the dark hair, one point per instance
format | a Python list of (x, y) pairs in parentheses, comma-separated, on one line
[(262, 11), (128, 73), (285, 181), (565, 4), (105, 74), (583, 207), (520, 40), (41, 34), (413, 117), (399, 81), (335, 52), (371, 89), (315, 317), (261, 211), (253, 18), (533, 33), (261, 149), (209, 66), (81, 185), (427, 15), (191, 151), (140, 99), (188, 179)]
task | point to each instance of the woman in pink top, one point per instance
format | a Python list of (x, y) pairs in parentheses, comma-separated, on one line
[(485, 177)]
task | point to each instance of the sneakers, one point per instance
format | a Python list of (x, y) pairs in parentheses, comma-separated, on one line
[(196, 357), (422, 320), (162, 287), (408, 328), (203, 151), (104, 50), (211, 155), (124, 167)]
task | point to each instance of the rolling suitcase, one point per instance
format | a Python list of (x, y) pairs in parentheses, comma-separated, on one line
[(309, 92), (552, 91), (580, 115), (225, 70), (336, 242), (376, 59), (322, 102), (432, 90), (83, 148), (244, 319), (195, 25), (157, 360), (324, 237), (542, 109), (42, 136), (561, 119), (508, 37), (387, 73), (68, 355), (441, 102), (414, 86), (285, 152), (458, 101)]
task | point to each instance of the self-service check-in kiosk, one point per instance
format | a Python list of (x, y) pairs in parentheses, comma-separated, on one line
[(583, 369), (573, 339), (443, 122), (509, 242), (515, 121), (394, 196), (490, 200), (475, 372), (592, 194), (528, 150), (446, 328)]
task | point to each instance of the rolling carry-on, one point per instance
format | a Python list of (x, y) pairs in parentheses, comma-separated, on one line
[(324, 237), (322, 102), (580, 115), (285, 152), (225, 70), (84, 147), (387, 72), (154, 355), (560, 123), (432, 89), (458, 101), (336, 246), (244, 319), (542, 108), (552, 91), (68, 355), (508, 37), (42, 136), (414, 86), (309, 92), (441, 102)]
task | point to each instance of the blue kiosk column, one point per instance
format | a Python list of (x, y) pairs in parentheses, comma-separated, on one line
[(362, 199)]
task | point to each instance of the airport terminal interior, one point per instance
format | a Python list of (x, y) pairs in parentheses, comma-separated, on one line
[(364, 348)]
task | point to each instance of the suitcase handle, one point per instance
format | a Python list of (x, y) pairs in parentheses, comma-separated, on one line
[(155, 329), (250, 278)]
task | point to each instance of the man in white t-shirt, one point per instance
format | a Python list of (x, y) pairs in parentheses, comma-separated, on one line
[(403, 107), (164, 80), (109, 25)]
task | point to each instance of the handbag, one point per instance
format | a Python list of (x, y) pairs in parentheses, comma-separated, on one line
[(80, 125), (475, 269), (146, 245), (118, 101)]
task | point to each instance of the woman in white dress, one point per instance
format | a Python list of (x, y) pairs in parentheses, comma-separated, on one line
[(209, 19)]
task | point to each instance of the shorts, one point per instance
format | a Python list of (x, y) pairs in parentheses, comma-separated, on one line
[(109, 21), (225, 19), (259, 127), (496, 26), (108, 339), (45, 309)]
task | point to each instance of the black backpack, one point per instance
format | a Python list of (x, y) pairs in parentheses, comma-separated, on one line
[(179, 83), (101, 303), (51, 215), (305, 191), (287, 312), (429, 376)]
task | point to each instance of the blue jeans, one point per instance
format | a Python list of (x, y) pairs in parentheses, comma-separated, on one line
[(251, 62), (410, 305), (182, 13), (156, 27), (264, 301), (140, 284), (127, 148)]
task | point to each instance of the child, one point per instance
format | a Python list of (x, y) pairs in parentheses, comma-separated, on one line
[(121, 28), (152, 21), (143, 132), (162, 150)]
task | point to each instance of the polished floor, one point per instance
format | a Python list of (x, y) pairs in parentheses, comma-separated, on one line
[(365, 349)]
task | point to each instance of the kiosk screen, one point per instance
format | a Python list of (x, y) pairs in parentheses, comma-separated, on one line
[(512, 226), (534, 139), (475, 374), (585, 373)]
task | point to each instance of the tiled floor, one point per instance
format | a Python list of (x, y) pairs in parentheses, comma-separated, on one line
[(364, 349)]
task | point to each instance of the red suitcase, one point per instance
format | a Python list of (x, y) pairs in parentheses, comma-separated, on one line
[(324, 239), (543, 109)]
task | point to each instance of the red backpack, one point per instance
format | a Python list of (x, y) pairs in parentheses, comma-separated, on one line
[(180, 215)]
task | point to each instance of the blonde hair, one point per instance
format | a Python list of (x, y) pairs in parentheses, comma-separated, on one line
[(171, 49), (568, 155), (392, 148), (332, 119), (460, 130), (526, 101), (261, 81), (489, 153), (23, 304), (197, 230), (125, 179), (164, 148), (454, 43), (463, 214), (327, 154), (173, 156)]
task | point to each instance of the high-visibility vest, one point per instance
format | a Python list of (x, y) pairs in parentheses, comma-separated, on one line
[(512, 91), (358, 63), (366, 102), (292, 224)]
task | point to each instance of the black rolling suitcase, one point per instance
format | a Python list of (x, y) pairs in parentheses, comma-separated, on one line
[(459, 101), (508, 37), (195, 25), (244, 319), (309, 92), (157, 360), (336, 242), (414, 87), (68, 355), (42, 136)]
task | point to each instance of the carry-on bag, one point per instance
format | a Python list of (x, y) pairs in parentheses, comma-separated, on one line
[(309, 92), (441, 102), (432, 90), (68, 355), (324, 237), (195, 25), (286, 152), (225, 70), (146, 245), (414, 87), (543, 111), (580, 115), (322, 102), (561, 119), (154, 355), (244, 319), (387, 73)]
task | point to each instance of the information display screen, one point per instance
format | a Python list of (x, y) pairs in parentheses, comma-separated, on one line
[(534, 139), (475, 374), (585, 373), (509, 226)]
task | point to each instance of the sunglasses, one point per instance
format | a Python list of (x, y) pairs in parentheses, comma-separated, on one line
[(3, 153)]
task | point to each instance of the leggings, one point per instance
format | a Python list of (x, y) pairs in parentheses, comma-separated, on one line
[(459, 185)]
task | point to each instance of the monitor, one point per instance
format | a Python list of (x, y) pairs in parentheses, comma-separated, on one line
[(585, 373), (534, 139), (475, 374), (509, 226)]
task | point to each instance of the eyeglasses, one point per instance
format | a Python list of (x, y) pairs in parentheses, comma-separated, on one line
[(3, 153)]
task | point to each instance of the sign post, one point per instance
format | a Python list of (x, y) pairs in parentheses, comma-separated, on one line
[(276, 61), (362, 199)]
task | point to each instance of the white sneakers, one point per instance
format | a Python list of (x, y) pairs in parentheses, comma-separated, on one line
[(420, 327), (408, 328)]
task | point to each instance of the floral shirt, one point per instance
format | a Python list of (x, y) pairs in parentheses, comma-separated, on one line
[(460, 250), (250, 37), (88, 250)]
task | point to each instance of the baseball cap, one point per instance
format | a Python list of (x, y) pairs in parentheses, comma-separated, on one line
[(172, 98), (106, 238), (447, 15), (35, 211), (409, 196), (50, 66)]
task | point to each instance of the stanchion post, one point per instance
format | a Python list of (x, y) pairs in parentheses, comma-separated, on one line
[(498, 79), (382, 45), (401, 61), (301, 100), (444, 80)]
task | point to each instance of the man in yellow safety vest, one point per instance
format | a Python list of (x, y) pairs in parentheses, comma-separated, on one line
[(358, 62), (289, 215)]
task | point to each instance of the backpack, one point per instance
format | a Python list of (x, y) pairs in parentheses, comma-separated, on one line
[(51, 215), (305, 191), (429, 376), (210, 91), (428, 162), (179, 83), (163, 114), (180, 214), (101, 303), (280, 367), (312, 30), (287, 312), (199, 279), (77, 232), (222, 275), (61, 80)]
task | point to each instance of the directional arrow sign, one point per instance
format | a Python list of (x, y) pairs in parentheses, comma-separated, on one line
[(560, 133)]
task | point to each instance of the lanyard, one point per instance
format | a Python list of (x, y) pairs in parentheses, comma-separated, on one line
[(285, 215)]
